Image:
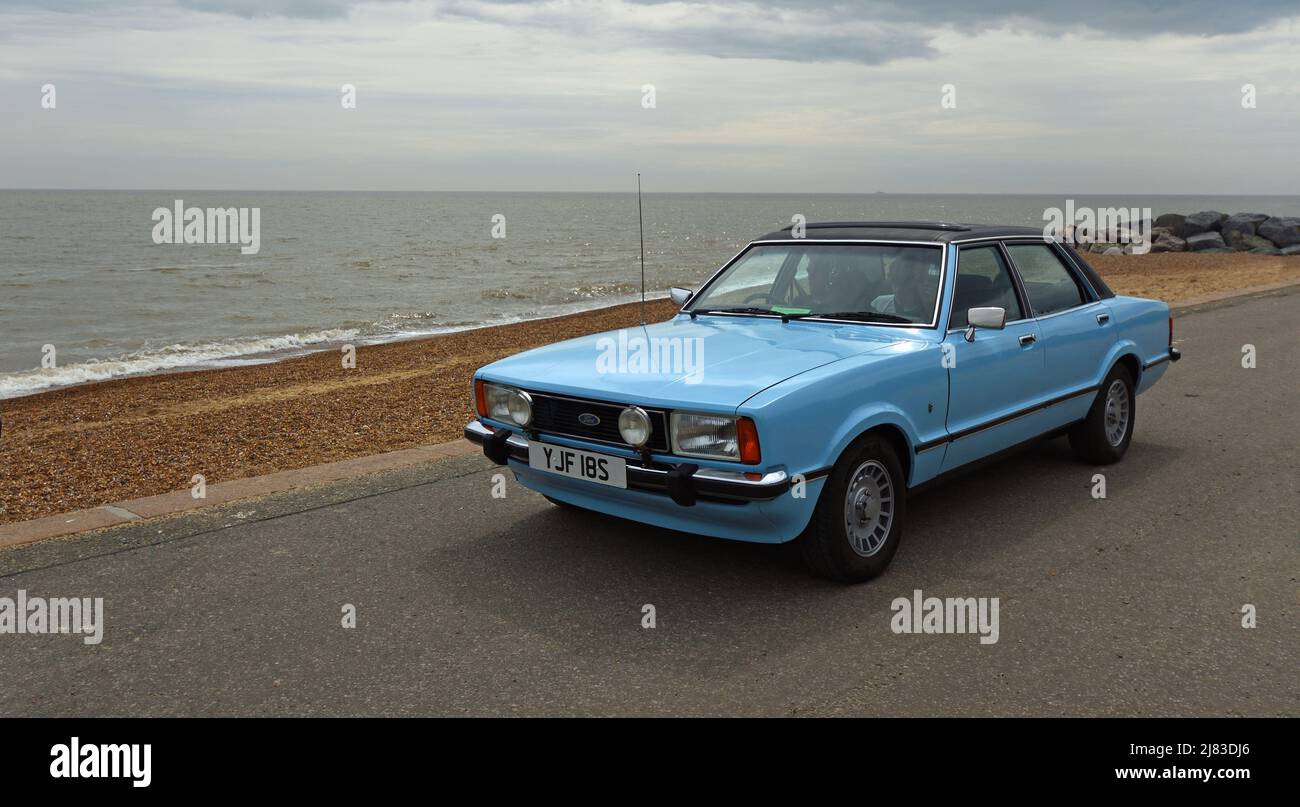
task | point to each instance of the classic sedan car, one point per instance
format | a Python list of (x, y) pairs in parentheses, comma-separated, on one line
[(814, 381)]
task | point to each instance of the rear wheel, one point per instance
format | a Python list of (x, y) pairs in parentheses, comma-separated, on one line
[(858, 522), (1104, 435)]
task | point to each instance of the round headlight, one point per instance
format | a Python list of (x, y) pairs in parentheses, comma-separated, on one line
[(520, 405), (634, 425)]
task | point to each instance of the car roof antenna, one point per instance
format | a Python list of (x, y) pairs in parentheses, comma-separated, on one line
[(641, 224)]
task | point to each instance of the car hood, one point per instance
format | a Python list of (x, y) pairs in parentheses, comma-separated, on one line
[(717, 362)]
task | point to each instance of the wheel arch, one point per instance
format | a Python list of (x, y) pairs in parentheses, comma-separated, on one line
[(1130, 362), (897, 438), (1123, 353)]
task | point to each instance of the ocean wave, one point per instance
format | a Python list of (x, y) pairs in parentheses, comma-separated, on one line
[(597, 290), (179, 267), (193, 356), (172, 357)]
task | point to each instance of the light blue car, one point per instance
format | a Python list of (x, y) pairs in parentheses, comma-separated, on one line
[(814, 381)]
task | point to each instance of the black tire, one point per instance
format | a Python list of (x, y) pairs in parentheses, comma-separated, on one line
[(825, 544), (1089, 437)]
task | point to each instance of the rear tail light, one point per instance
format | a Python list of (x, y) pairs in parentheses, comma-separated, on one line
[(1171, 330)]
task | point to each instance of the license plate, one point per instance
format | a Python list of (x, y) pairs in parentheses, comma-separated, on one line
[(599, 468)]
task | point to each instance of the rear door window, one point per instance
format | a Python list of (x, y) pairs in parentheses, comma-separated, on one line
[(1049, 286)]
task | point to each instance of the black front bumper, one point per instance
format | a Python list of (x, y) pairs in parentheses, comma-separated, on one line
[(685, 483)]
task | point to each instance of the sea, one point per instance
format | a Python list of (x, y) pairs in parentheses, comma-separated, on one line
[(86, 294)]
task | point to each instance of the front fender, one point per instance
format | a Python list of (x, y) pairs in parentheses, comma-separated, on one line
[(872, 416), (806, 426)]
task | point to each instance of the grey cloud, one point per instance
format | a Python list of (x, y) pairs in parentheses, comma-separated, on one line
[(1137, 18), (730, 43), (864, 32), (727, 32), (1118, 17), (873, 31), (305, 9)]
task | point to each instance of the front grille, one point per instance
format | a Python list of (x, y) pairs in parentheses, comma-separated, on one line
[(555, 414)]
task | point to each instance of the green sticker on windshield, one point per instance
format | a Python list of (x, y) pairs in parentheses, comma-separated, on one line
[(780, 309)]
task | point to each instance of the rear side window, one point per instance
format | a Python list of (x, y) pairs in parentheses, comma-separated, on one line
[(1048, 284), (983, 280), (1090, 274)]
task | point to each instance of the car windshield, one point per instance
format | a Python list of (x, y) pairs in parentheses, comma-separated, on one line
[(864, 282)]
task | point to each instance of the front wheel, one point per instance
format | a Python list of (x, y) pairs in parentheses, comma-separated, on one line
[(1104, 435), (858, 522)]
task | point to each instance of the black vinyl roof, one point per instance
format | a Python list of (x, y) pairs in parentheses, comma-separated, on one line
[(936, 231)]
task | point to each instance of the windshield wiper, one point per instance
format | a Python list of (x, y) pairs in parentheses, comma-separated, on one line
[(859, 316), (748, 309)]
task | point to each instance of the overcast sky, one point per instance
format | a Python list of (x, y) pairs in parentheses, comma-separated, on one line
[(1134, 96)]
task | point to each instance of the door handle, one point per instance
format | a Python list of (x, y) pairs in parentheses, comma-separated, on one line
[(1028, 339), (1102, 319)]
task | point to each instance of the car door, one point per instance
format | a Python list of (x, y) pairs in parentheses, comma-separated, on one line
[(998, 374), (1074, 326)]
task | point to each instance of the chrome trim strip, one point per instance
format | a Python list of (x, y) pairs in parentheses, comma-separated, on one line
[(847, 241), (1010, 322), (1068, 310), (989, 424), (1032, 238), (1160, 360), (728, 477)]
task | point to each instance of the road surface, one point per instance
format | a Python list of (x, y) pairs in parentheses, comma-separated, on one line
[(471, 605)]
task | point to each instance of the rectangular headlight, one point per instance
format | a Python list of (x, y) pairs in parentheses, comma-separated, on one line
[(705, 436), (498, 397)]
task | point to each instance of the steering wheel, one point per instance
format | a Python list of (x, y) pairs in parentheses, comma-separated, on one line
[(753, 298)]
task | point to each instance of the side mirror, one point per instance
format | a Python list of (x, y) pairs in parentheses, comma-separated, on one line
[(680, 296), (992, 317)]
